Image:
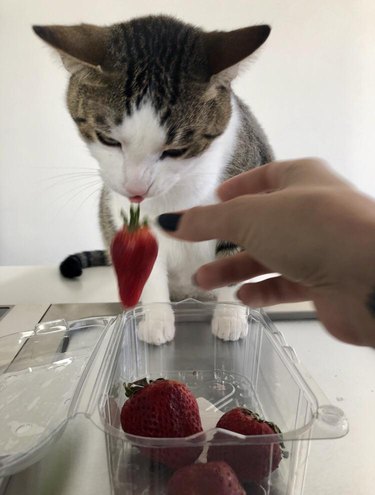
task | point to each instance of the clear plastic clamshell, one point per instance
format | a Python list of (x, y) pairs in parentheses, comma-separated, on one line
[(41, 375), (53, 378)]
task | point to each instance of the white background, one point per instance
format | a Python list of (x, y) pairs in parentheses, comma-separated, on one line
[(311, 87)]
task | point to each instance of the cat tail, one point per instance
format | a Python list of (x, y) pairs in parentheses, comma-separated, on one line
[(73, 265)]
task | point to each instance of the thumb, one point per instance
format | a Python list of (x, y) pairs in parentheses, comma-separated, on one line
[(202, 223)]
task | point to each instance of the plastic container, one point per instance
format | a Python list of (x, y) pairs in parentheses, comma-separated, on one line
[(259, 372), (42, 373)]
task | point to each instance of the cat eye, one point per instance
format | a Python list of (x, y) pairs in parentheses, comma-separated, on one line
[(107, 140), (212, 136), (173, 153)]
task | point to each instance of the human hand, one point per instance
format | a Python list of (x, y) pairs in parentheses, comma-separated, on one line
[(299, 219)]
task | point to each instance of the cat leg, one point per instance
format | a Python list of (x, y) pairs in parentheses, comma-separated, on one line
[(230, 321), (157, 327)]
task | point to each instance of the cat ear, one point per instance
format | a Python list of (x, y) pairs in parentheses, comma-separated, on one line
[(79, 46), (225, 50)]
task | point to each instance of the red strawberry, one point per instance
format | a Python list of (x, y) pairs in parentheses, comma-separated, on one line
[(162, 409), (133, 250), (250, 462), (213, 478)]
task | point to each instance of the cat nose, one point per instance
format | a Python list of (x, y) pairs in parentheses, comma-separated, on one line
[(136, 191)]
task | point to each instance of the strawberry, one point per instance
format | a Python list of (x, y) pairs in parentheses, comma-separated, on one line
[(213, 478), (162, 409), (133, 250), (250, 462)]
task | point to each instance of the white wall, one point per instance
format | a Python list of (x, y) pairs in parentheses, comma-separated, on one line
[(312, 88)]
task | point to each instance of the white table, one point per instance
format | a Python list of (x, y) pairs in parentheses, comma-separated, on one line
[(77, 464)]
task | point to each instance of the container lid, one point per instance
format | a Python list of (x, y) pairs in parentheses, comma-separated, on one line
[(41, 374)]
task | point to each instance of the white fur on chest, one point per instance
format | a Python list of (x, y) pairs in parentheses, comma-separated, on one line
[(182, 260)]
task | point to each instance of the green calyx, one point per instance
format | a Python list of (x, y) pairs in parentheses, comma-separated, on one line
[(132, 388), (132, 223)]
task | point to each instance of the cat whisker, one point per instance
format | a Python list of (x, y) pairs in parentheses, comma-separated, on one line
[(76, 194), (67, 181), (77, 183), (71, 175), (66, 184), (88, 197), (77, 186), (67, 168)]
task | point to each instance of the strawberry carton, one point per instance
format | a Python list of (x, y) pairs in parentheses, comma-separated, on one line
[(196, 415), (256, 379)]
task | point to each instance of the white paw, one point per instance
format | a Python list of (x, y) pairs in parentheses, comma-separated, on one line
[(230, 322), (157, 327)]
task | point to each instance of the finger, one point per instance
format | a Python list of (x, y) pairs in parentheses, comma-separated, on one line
[(272, 291), (229, 270), (202, 223), (260, 179), (277, 175)]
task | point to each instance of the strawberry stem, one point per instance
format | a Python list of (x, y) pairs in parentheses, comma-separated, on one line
[(134, 218), (131, 224)]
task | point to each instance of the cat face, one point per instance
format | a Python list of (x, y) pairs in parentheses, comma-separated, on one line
[(149, 96), (145, 150)]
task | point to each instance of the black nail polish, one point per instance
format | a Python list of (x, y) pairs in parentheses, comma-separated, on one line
[(169, 221)]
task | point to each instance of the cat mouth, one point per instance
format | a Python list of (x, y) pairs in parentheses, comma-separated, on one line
[(136, 199)]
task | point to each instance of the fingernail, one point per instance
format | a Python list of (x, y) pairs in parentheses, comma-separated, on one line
[(169, 221)]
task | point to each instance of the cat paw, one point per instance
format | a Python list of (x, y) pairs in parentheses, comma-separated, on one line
[(230, 322), (157, 327)]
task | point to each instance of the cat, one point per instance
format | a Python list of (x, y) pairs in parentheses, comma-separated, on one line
[(152, 99)]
